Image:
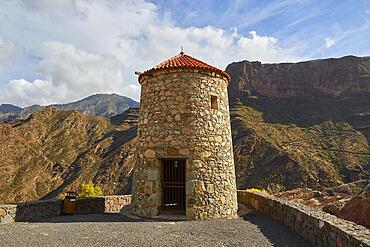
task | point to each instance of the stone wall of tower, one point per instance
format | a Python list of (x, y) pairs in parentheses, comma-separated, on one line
[(176, 120)]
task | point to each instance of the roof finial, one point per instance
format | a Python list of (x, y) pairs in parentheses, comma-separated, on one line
[(182, 50)]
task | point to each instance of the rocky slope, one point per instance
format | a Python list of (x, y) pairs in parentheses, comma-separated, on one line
[(105, 105), (301, 124), (53, 151)]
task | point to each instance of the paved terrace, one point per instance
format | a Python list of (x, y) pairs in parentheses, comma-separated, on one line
[(118, 230)]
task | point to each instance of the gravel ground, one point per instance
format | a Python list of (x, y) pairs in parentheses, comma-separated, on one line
[(118, 230)]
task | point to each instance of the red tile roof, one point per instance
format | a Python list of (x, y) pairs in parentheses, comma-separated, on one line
[(185, 61)]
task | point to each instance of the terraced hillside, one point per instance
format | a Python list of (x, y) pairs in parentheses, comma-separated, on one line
[(54, 150), (301, 124), (279, 156)]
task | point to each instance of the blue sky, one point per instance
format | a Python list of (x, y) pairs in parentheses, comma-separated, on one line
[(63, 50), (302, 24)]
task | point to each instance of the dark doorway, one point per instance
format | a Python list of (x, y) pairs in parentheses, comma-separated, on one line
[(173, 184)]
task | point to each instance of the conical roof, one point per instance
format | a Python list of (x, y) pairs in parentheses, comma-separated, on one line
[(185, 61)]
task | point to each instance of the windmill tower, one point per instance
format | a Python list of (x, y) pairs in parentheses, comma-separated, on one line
[(184, 153)]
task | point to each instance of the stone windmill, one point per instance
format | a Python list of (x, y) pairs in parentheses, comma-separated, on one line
[(184, 153)]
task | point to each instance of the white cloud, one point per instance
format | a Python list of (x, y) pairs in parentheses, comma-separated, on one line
[(70, 75), (368, 11), (329, 42), (60, 7), (85, 47), (7, 51), (215, 46)]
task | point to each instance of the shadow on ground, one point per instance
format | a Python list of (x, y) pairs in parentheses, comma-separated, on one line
[(108, 217), (277, 233), (87, 218)]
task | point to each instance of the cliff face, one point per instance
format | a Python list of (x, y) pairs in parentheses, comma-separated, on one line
[(317, 78)]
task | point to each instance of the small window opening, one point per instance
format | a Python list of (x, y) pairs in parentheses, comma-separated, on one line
[(214, 102)]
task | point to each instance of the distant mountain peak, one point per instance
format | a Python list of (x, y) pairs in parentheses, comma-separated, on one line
[(106, 105), (9, 108)]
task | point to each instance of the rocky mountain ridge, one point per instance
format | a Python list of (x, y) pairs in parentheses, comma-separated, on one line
[(105, 105), (317, 78), (9, 108)]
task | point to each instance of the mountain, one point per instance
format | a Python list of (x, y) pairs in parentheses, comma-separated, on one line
[(334, 77), (315, 136), (106, 105), (9, 108), (280, 156), (306, 93), (54, 150), (301, 124)]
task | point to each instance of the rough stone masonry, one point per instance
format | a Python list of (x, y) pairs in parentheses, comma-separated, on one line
[(177, 120)]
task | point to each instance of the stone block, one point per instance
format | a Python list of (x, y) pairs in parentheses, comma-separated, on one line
[(197, 164), (199, 187), (148, 187), (179, 98), (210, 188), (189, 187), (153, 175), (184, 151), (6, 219), (192, 175), (152, 201), (185, 131), (172, 151), (2, 212), (150, 154)]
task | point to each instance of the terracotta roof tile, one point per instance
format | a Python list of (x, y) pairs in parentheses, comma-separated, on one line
[(185, 61)]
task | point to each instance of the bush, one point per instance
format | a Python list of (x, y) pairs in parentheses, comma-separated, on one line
[(61, 196), (254, 190), (89, 190)]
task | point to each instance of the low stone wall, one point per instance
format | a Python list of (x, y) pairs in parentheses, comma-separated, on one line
[(114, 204), (320, 228), (33, 211), (94, 205), (104, 204)]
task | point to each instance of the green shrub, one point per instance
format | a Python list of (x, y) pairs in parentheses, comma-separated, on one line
[(254, 190), (89, 190)]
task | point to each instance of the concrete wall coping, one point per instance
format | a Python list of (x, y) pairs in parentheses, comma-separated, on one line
[(319, 227)]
